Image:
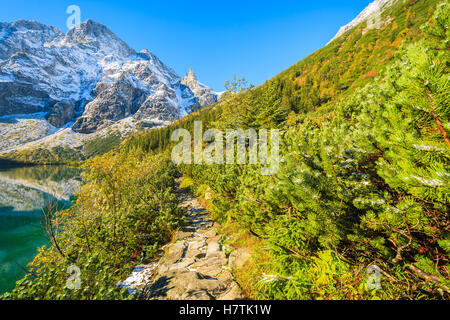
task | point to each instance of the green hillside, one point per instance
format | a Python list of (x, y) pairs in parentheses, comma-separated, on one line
[(357, 57), (318, 82), (363, 182)]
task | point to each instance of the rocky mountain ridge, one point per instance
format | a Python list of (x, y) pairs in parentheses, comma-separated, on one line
[(86, 80), (371, 14), (204, 94)]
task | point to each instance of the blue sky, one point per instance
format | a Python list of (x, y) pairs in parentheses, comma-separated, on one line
[(218, 39)]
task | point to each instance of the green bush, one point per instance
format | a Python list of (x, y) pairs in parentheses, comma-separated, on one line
[(124, 213)]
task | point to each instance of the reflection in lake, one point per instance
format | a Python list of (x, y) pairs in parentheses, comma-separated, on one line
[(23, 194)]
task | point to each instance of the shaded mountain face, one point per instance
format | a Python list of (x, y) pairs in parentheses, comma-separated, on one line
[(88, 77)]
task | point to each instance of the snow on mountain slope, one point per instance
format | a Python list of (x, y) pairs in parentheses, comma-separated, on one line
[(371, 14), (83, 82)]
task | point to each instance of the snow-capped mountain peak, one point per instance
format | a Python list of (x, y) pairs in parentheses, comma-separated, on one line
[(372, 11), (88, 76), (206, 95), (190, 76)]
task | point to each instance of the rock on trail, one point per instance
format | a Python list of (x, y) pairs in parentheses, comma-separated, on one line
[(193, 267)]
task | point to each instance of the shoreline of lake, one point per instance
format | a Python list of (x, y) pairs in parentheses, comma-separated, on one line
[(24, 191)]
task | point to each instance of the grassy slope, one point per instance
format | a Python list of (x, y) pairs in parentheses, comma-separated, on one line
[(313, 86), (62, 155), (318, 82), (354, 59)]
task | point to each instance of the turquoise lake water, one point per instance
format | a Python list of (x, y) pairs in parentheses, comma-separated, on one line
[(24, 192)]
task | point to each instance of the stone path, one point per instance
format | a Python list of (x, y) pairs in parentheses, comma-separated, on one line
[(193, 267)]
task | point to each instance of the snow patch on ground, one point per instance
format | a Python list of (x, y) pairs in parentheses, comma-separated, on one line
[(19, 129), (140, 276)]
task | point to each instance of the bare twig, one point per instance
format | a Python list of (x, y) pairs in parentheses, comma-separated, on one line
[(428, 277)]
